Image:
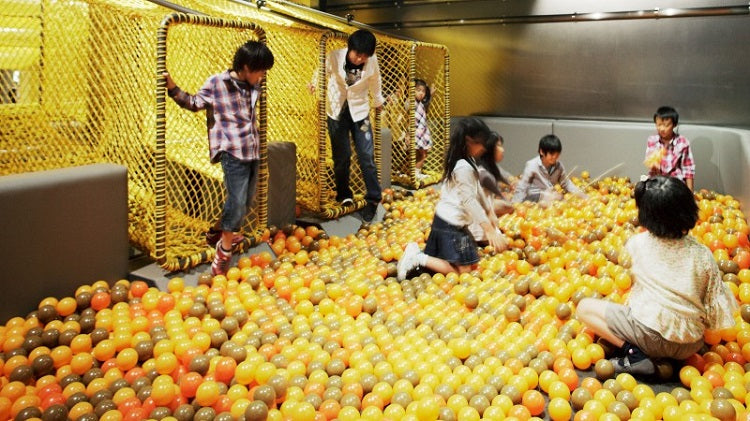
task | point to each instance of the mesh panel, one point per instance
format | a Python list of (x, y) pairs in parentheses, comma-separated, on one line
[(80, 82), (190, 186), (406, 62)]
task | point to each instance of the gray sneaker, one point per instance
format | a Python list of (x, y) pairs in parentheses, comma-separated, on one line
[(643, 367), (408, 260)]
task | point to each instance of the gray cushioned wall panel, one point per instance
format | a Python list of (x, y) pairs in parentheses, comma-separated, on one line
[(60, 229)]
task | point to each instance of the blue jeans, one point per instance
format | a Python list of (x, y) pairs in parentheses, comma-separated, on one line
[(240, 181), (361, 131)]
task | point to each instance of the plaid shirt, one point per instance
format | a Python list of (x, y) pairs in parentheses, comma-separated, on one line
[(677, 161), (230, 115)]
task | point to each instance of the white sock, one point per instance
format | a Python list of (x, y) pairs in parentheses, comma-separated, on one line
[(422, 259)]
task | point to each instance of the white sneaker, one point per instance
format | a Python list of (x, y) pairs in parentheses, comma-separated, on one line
[(408, 260)]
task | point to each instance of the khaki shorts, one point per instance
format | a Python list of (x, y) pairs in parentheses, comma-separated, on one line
[(622, 324)]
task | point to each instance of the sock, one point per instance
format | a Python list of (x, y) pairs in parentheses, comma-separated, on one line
[(422, 259)]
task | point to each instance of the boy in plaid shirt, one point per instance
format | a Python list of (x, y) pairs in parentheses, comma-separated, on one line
[(668, 153), (230, 99)]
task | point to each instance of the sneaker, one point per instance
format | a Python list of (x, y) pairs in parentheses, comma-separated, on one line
[(368, 212), (213, 236), (221, 262), (347, 202), (408, 261), (643, 367)]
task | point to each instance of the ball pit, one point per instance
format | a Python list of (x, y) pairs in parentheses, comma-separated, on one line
[(324, 331)]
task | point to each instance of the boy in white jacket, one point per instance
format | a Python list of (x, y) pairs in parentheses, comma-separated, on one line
[(352, 73)]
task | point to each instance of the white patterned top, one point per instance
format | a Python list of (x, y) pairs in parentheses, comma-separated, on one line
[(677, 287)]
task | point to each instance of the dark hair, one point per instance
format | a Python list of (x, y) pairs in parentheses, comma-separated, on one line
[(469, 127), (550, 143), (255, 55), (362, 41), (427, 92), (666, 206), (487, 160), (667, 112)]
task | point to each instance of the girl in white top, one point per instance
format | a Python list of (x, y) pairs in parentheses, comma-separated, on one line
[(677, 290), (450, 246), (489, 178)]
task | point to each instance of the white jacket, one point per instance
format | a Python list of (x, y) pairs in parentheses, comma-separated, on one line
[(355, 95)]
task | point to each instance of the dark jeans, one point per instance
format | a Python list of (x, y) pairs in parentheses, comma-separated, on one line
[(339, 131), (240, 180)]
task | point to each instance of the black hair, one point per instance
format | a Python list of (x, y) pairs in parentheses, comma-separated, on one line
[(427, 92), (666, 206), (666, 112), (255, 55), (487, 160), (466, 130), (550, 143), (362, 41)]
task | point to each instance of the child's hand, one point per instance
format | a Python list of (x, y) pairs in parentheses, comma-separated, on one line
[(546, 197), (653, 160), (170, 83), (311, 88), (497, 240)]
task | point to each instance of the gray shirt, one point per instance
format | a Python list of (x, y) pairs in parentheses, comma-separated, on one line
[(536, 178)]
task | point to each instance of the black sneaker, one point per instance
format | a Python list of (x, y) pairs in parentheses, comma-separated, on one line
[(644, 367), (347, 202), (368, 212), (633, 361)]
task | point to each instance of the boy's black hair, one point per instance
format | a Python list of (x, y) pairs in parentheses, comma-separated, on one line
[(253, 54), (550, 143), (427, 91), (666, 206), (362, 41), (666, 112), (469, 127)]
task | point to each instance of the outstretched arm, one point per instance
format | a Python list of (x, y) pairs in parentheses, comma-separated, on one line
[(196, 102)]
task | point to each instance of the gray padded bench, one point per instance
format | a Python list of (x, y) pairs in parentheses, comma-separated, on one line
[(61, 229)]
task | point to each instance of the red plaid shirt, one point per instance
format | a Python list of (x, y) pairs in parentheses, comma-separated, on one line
[(230, 115), (677, 161)]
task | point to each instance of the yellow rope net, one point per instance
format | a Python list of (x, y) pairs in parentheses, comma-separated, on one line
[(80, 82)]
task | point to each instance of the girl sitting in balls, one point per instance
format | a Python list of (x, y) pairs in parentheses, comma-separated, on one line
[(489, 178), (677, 290), (450, 246)]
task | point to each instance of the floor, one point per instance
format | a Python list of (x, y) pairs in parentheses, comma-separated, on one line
[(144, 269)]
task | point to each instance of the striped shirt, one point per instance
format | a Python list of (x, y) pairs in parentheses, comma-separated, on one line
[(676, 162), (230, 115)]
